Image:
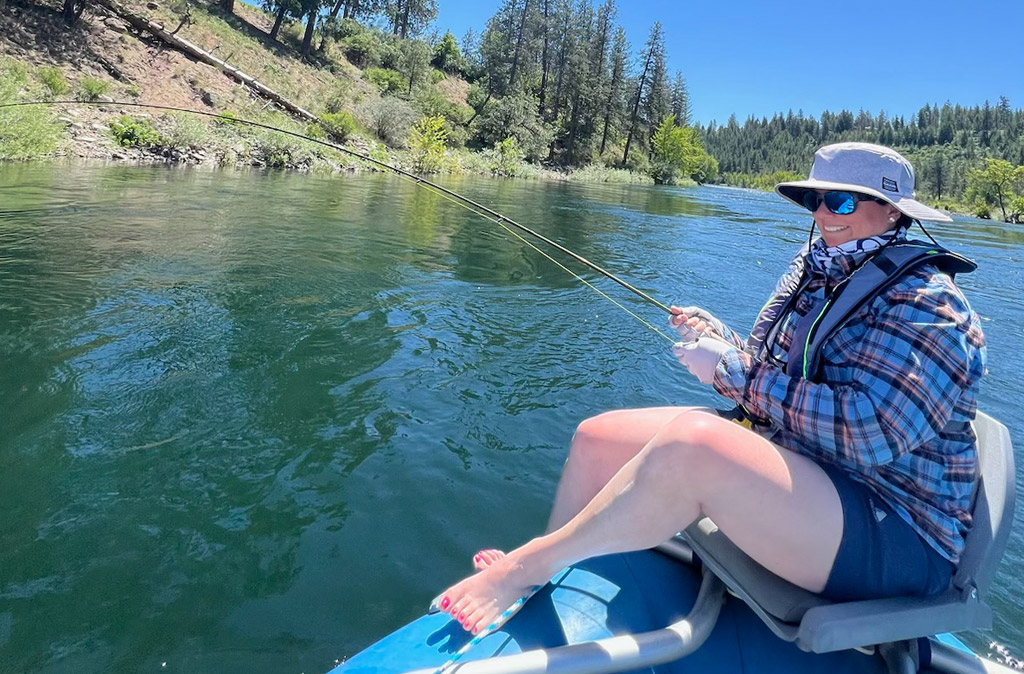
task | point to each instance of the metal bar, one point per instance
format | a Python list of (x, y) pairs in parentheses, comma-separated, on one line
[(615, 654)]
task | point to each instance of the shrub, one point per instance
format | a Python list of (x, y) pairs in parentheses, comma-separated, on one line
[(132, 132), (276, 150), (388, 118), (509, 154), (386, 80), (338, 97), (338, 125), (432, 102), (1017, 209), (427, 140), (93, 88), (54, 80), (362, 49), (230, 121), (981, 210), (184, 132)]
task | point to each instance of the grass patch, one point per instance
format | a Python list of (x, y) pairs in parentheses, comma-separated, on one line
[(28, 132), (93, 88), (605, 174), (54, 80)]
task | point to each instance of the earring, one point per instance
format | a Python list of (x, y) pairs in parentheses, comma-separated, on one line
[(892, 219)]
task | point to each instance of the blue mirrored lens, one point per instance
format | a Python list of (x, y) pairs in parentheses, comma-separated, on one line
[(840, 203), (811, 200)]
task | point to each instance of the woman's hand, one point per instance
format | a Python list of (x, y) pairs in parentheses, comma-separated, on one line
[(693, 322), (702, 356)]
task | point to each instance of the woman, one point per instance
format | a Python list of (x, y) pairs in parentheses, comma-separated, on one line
[(854, 475)]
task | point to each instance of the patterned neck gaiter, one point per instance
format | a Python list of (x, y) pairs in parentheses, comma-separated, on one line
[(841, 260)]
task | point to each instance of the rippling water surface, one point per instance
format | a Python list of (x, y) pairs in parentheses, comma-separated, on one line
[(252, 422)]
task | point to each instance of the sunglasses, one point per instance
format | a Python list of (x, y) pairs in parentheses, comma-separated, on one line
[(840, 203)]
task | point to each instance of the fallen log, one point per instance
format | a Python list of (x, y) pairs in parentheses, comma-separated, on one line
[(180, 43)]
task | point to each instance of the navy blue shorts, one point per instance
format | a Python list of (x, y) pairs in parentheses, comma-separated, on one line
[(880, 555)]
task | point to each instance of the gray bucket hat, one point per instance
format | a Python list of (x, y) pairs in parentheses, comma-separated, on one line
[(865, 168)]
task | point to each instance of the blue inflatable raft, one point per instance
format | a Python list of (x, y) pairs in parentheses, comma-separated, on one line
[(698, 604)]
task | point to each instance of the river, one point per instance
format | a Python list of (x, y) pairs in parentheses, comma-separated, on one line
[(251, 422)]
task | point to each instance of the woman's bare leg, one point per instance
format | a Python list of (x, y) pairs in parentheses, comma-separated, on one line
[(601, 446), (777, 506)]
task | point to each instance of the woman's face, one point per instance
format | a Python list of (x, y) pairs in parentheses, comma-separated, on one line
[(869, 218)]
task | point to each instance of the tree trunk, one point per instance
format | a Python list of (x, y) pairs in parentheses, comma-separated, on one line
[(307, 39), (636, 105), (478, 110), (336, 9), (556, 108), (228, 6), (574, 122), (544, 65), (405, 21), (278, 20), (396, 19), (73, 10), (519, 45)]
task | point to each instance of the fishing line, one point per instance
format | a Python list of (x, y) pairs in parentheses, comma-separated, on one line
[(454, 197)]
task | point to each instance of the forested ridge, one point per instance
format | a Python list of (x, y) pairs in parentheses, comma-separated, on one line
[(543, 85), (951, 147)]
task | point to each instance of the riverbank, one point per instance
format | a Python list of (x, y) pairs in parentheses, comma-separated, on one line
[(102, 59)]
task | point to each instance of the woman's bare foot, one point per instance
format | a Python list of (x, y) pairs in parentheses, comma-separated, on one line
[(485, 558), (478, 600)]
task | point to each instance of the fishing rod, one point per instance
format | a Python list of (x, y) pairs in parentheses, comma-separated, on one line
[(461, 200)]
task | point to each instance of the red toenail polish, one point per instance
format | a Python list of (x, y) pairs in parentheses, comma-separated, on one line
[(445, 602), (462, 616)]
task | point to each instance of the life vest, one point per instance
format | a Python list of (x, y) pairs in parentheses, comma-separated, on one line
[(831, 312)]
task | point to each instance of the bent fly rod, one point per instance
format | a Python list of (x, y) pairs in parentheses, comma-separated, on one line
[(457, 198)]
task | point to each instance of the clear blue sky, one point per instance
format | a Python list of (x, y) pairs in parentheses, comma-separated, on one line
[(758, 57)]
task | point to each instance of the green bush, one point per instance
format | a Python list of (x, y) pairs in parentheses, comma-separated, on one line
[(132, 132), (981, 210), (93, 88), (389, 118), (436, 76), (338, 125), (185, 132), (426, 140), (230, 121), (338, 98), (54, 80), (1017, 207), (276, 150), (362, 49), (386, 80)]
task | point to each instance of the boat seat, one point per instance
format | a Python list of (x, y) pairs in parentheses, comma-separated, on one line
[(819, 625)]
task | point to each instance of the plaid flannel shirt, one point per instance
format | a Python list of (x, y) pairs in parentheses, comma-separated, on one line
[(893, 401)]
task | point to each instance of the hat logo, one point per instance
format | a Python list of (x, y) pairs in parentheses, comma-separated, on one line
[(890, 185)]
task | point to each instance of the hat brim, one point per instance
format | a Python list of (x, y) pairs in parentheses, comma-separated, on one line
[(793, 191)]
